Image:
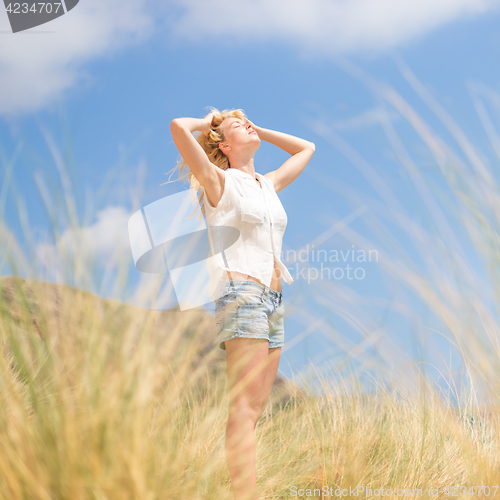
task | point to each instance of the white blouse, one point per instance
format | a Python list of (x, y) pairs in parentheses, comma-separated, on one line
[(245, 230)]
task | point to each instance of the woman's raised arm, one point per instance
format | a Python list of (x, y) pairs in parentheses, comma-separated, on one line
[(189, 148), (300, 149)]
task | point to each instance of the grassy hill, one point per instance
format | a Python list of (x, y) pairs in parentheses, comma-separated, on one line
[(102, 400)]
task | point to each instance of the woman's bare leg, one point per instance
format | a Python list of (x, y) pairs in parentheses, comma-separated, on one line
[(246, 363), (273, 361)]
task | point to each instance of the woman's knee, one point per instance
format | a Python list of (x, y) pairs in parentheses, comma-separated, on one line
[(245, 408)]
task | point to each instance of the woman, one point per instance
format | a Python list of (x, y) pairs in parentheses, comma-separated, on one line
[(247, 283)]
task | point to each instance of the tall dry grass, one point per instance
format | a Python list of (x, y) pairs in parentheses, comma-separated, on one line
[(103, 400)]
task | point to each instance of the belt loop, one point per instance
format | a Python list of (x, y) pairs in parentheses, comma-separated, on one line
[(229, 275)]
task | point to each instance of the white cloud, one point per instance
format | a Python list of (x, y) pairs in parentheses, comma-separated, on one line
[(35, 68), (104, 243), (322, 27), (94, 258)]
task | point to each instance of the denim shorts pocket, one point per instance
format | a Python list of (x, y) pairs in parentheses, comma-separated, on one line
[(279, 310), (248, 298)]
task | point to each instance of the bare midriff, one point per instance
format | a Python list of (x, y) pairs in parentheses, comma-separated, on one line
[(275, 280)]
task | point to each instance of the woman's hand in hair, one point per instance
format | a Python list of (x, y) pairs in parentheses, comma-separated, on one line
[(208, 123)]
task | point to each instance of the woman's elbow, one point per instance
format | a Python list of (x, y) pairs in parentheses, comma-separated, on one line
[(174, 124), (177, 128), (310, 147)]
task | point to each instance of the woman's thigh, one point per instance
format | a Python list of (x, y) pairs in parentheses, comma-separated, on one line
[(246, 364)]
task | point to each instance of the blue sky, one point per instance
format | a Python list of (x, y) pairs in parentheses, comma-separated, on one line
[(96, 90)]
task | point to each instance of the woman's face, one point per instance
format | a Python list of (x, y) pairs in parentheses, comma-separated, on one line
[(239, 135)]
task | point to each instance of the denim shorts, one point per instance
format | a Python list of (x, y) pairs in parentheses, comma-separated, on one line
[(251, 310)]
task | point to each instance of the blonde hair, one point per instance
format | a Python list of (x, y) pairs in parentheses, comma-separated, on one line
[(210, 145)]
